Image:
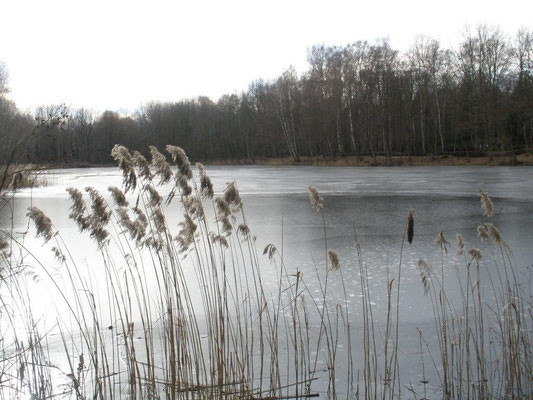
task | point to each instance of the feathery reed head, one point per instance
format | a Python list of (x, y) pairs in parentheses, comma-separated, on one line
[(43, 224), (153, 195), (186, 235), (243, 230), (126, 165), (475, 253), (118, 196), (486, 204), (460, 244), (494, 233), (270, 249), (182, 161), (317, 202), (441, 241), (206, 187), (482, 233), (219, 239), (410, 225), (223, 209), (425, 273), (232, 197), (333, 260), (143, 166), (162, 167)]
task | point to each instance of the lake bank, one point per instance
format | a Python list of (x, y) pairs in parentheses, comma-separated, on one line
[(384, 161)]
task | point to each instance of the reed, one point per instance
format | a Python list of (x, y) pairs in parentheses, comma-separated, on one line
[(184, 311)]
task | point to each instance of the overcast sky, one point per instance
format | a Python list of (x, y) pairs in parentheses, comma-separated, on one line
[(120, 54)]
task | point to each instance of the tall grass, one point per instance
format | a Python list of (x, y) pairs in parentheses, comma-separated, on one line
[(188, 313)]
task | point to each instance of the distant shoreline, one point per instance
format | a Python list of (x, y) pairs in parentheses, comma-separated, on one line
[(525, 159)]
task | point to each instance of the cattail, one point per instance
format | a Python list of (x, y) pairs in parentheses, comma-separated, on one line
[(182, 161), (494, 233), (482, 233), (143, 166), (219, 239), (333, 260), (486, 204), (425, 272), (410, 225), (186, 235), (232, 197), (460, 244), (475, 253), (154, 196), (126, 165), (118, 196), (162, 167), (206, 187), (317, 202), (43, 224)]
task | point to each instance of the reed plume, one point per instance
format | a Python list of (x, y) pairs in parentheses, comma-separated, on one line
[(475, 253), (317, 202), (460, 244), (486, 204), (43, 224), (494, 233), (425, 272), (206, 187), (126, 165), (186, 235), (333, 260), (482, 233), (182, 161), (118, 196), (161, 166)]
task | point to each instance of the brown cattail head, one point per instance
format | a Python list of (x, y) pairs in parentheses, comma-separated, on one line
[(486, 204), (317, 202), (410, 225), (333, 260)]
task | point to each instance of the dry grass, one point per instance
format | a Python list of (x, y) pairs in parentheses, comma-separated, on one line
[(151, 328)]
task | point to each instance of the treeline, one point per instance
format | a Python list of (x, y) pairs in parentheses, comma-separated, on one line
[(362, 99)]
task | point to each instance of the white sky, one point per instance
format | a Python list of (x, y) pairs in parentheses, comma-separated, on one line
[(120, 54)]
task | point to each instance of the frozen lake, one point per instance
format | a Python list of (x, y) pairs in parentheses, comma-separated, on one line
[(371, 203)]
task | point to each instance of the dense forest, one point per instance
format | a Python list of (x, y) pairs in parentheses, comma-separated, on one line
[(359, 99)]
